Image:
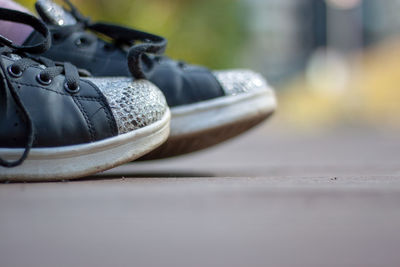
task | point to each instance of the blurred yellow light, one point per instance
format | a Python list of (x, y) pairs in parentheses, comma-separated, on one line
[(328, 72), (344, 4)]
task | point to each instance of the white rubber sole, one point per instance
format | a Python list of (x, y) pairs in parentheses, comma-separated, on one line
[(198, 126), (44, 164), (214, 113)]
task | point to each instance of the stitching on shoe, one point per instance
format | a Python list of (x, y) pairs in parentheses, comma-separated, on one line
[(110, 120), (85, 115), (99, 99), (88, 98), (102, 101), (107, 109)]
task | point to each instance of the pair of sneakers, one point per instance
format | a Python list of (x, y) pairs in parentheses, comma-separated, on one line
[(122, 101)]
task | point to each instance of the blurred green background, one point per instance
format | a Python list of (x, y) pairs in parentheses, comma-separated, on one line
[(333, 62), (203, 32)]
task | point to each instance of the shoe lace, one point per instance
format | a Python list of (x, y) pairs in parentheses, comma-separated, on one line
[(25, 61), (140, 43)]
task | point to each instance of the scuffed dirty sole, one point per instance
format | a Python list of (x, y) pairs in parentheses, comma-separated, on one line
[(69, 162), (202, 125)]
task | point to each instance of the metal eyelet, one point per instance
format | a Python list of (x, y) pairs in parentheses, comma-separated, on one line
[(108, 47), (71, 90), (56, 37), (181, 64), (13, 73), (41, 81), (82, 41)]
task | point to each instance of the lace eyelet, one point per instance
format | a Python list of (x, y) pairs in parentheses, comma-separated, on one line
[(181, 64), (71, 90), (13, 73), (108, 47), (82, 41), (41, 81), (56, 37)]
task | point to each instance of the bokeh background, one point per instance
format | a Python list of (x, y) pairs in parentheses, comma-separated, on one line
[(333, 62)]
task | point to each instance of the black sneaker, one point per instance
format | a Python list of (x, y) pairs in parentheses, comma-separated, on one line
[(207, 107), (55, 124)]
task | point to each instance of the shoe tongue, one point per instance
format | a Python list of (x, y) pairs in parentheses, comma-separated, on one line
[(54, 14)]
